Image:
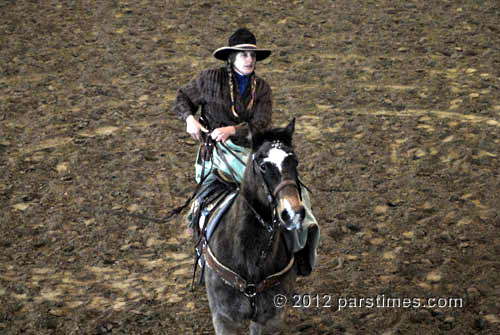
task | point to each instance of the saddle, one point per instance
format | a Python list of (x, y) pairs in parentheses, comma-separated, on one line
[(211, 199), (209, 206)]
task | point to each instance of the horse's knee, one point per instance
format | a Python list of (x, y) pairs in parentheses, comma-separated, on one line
[(255, 328), (224, 326), (273, 326)]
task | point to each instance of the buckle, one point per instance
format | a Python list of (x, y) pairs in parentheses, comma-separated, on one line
[(250, 291)]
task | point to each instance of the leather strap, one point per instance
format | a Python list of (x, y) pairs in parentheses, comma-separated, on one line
[(283, 184), (234, 280)]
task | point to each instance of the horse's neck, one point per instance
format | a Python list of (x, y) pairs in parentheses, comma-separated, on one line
[(250, 240), (250, 211), (251, 195), (241, 239)]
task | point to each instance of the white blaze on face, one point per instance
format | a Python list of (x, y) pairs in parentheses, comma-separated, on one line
[(276, 156)]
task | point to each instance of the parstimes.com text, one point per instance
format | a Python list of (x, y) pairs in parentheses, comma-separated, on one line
[(379, 301)]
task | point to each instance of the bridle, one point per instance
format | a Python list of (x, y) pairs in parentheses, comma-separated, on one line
[(271, 195)]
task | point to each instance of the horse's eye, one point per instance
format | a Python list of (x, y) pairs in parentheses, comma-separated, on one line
[(263, 167)]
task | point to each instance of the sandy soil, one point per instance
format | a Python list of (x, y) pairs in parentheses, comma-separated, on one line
[(398, 118)]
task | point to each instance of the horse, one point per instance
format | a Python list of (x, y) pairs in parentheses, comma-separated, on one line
[(250, 270)]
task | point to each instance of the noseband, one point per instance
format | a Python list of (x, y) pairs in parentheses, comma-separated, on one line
[(283, 184)]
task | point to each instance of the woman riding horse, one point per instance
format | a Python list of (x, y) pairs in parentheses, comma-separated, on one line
[(249, 263), (231, 97)]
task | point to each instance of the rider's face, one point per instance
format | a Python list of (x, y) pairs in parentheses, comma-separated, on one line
[(244, 62)]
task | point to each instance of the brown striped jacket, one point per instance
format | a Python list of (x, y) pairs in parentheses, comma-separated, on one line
[(210, 90)]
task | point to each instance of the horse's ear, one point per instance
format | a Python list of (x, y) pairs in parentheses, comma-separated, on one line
[(290, 128), (252, 129), (253, 134)]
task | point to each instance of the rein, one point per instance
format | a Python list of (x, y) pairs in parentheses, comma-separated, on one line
[(269, 226)]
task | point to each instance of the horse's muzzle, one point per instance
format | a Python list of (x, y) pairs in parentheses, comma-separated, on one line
[(291, 216)]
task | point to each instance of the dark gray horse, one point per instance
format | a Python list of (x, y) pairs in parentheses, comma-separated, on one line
[(249, 265)]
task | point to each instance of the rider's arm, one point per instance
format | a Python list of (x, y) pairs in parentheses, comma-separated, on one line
[(189, 98)]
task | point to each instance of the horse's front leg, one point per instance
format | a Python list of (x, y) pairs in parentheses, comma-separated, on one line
[(225, 326), (222, 305), (271, 327)]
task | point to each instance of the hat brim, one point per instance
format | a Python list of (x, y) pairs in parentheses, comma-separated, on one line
[(223, 53)]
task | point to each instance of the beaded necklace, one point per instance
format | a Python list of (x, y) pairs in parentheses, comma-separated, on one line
[(231, 89)]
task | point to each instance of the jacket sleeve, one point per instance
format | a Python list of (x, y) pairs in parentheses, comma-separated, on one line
[(189, 98), (261, 117)]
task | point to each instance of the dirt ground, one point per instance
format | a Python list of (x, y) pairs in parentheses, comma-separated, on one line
[(398, 133)]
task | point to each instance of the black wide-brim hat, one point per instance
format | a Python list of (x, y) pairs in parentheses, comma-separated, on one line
[(241, 40)]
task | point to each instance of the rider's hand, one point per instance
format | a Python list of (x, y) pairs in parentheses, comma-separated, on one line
[(193, 127), (223, 133)]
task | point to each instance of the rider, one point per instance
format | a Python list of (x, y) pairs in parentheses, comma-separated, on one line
[(231, 97)]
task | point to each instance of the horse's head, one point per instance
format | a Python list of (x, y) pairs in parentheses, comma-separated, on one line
[(274, 160)]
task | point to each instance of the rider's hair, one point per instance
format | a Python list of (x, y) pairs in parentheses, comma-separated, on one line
[(232, 57)]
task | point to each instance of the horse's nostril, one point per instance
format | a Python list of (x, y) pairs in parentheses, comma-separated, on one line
[(285, 216), (293, 217)]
